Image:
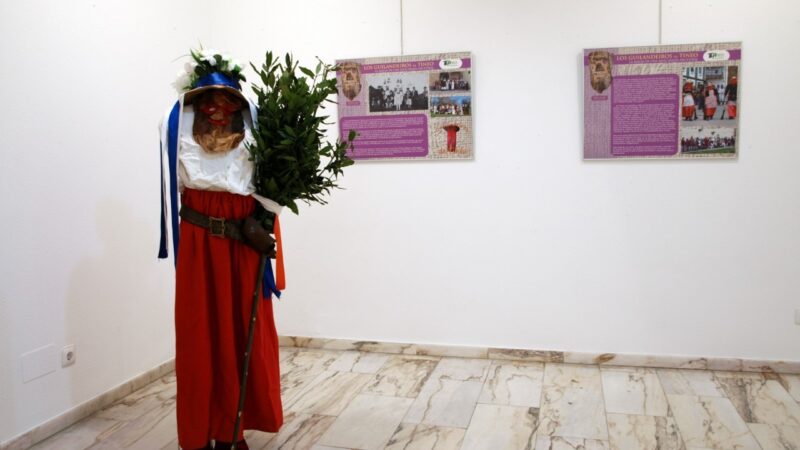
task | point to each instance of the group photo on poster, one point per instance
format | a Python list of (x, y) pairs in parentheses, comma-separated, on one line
[(670, 101), (407, 107)]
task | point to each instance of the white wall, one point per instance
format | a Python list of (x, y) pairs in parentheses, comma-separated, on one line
[(526, 246), (83, 85)]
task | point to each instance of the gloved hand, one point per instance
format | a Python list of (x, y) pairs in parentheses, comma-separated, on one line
[(257, 237)]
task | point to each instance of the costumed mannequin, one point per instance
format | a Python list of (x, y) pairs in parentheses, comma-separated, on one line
[(204, 158)]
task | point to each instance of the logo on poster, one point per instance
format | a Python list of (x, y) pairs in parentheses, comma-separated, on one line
[(450, 63), (716, 55)]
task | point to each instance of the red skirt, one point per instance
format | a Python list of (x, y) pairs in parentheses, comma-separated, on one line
[(215, 281)]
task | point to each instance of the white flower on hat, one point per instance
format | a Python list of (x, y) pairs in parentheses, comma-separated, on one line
[(189, 66), (181, 81), (236, 64), (208, 55)]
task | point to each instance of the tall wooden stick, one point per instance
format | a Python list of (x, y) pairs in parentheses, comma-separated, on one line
[(251, 333)]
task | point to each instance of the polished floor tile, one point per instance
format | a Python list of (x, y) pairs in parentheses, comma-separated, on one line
[(329, 393), (565, 443), (635, 391), (401, 376), (572, 403), (627, 432), (299, 430), (409, 436), (759, 399), (84, 434), (339, 400), (513, 383), (501, 427), (776, 436), (368, 422), (689, 382), (711, 422), (359, 362), (792, 384), (449, 396)]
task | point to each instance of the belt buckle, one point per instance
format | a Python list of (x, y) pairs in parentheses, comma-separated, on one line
[(216, 226)]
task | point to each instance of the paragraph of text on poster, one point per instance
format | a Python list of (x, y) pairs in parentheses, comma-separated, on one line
[(644, 115), (396, 135)]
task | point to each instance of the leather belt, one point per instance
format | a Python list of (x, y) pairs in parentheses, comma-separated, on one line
[(216, 226)]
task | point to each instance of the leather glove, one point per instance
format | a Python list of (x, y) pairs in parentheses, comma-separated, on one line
[(257, 237)]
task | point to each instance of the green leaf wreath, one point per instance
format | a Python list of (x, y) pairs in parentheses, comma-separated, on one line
[(204, 62), (292, 159)]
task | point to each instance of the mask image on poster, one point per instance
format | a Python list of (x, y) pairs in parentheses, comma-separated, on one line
[(351, 79), (600, 68)]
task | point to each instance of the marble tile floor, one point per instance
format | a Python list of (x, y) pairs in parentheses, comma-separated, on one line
[(363, 400)]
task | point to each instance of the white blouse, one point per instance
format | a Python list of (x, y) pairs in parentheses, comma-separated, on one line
[(230, 171)]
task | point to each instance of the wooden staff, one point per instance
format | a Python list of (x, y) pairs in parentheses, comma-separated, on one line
[(243, 384)]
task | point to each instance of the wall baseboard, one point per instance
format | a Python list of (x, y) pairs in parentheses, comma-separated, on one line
[(87, 408), (604, 359)]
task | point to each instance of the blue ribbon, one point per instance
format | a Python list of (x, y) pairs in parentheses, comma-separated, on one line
[(172, 161), (217, 79), (268, 286)]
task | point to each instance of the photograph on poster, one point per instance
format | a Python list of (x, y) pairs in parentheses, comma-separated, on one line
[(707, 140), (638, 101), (451, 136), (450, 81), (398, 92), (414, 107), (457, 105), (707, 94)]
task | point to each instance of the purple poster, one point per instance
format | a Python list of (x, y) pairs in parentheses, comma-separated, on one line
[(669, 101), (407, 107)]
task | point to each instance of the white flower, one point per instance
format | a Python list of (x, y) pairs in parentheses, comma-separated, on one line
[(189, 66), (181, 81), (236, 65), (208, 55)]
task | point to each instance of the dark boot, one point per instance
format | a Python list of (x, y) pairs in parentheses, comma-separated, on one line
[(241, 445)]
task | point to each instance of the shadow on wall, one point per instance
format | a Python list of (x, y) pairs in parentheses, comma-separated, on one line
[(119, 308)]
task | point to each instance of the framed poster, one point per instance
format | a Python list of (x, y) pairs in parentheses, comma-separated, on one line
[(407, 107), (668, 101)]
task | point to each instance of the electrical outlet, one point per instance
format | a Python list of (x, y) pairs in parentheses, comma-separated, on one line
[(68, 355), (797, 316)]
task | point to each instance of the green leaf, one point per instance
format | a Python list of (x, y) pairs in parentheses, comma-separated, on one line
[(307, 72)]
